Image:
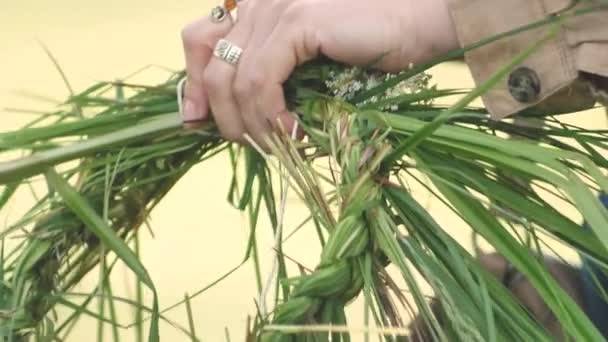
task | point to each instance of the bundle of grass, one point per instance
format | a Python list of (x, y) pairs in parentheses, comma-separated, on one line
[(377, 133)]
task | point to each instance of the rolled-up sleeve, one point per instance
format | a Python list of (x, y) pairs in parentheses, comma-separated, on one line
[(554, 76)]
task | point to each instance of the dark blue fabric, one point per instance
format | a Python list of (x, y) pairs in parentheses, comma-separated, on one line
[(593, 276)]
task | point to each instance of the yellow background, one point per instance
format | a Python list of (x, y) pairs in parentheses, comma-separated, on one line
[(198, 235)]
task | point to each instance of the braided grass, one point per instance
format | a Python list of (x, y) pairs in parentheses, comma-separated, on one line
[(321, 296)]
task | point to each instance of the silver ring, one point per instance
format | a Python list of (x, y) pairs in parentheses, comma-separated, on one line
[(227, 51), (218, 14)]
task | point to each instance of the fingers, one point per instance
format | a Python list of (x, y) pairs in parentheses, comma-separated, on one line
[(248, 79), (290, 44), (218, 81), (247, 97), (198, 39), (264, 68)]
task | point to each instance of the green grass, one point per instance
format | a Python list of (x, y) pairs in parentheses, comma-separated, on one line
[(108, 168)]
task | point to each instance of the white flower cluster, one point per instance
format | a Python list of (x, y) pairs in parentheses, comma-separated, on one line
[(347, 84)]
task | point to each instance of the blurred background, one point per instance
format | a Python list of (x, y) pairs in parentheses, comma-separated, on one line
[(198, 236)]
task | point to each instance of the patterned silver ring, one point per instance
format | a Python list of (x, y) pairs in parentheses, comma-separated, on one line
[(218, 14), (227, 51)]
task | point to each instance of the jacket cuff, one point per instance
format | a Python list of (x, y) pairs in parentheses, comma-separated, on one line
[(549, 69)]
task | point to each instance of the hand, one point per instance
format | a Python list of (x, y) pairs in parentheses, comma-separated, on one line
[(278, 35)]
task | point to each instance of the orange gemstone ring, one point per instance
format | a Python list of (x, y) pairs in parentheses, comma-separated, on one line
[(230, 4), (232, 8), (219, 13)]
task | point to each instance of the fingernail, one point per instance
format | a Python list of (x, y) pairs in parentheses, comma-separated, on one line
[(193, 112)]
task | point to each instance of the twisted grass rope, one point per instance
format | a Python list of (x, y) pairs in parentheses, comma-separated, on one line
[(321, 296)]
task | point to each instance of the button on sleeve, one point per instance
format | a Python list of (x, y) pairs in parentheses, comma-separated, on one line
[(551, 69)]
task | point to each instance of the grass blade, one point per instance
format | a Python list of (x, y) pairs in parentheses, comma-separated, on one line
[(107, 236)]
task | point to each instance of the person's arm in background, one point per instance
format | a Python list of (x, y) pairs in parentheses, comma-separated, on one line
[(521, 288), (566, 74)]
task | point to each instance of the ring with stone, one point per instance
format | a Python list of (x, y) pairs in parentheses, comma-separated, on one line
[(227, 51), (218, 14), (232, 8)]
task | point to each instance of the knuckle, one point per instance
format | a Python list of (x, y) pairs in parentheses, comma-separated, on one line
[(279, 6), (210, 79), (291, 15), (245, 86), (257, 80), (242, 88), (295, 11), (246, 8), (193, 90), (190, 35)]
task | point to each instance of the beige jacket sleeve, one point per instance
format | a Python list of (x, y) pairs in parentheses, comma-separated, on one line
[(566, 74)]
